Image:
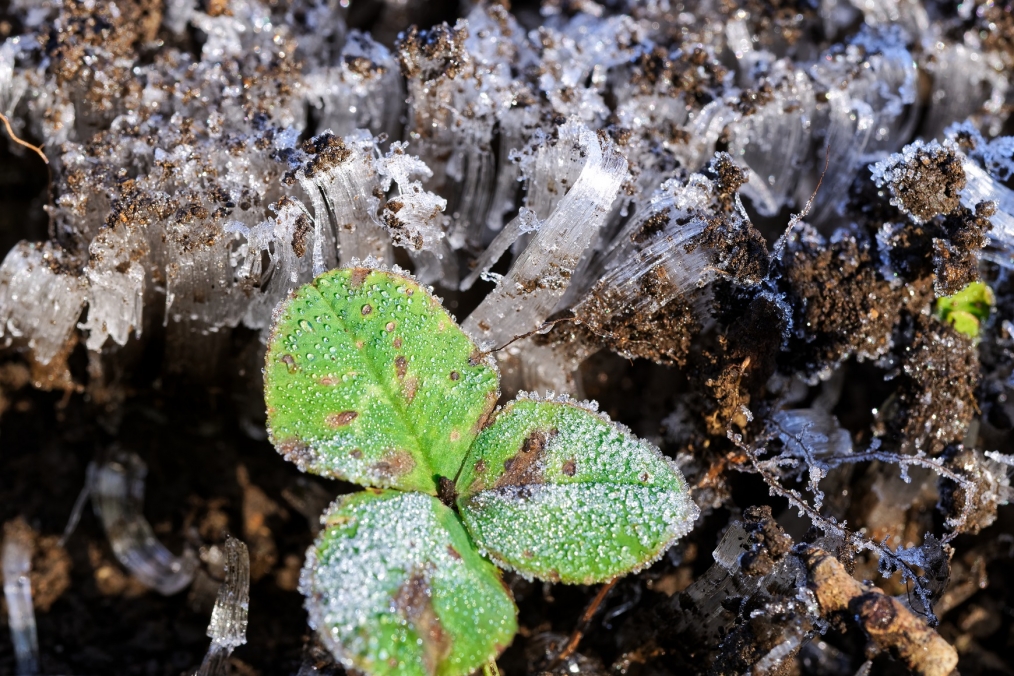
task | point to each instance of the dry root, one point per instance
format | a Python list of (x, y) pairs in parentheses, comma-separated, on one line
[(889, 625)]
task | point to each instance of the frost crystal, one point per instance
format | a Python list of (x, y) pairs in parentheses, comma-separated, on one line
[(527, 295), (16, 561), (229, 616), (117, 492)]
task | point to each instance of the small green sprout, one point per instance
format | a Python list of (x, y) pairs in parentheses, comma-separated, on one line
[(369, 379), (966, 309)]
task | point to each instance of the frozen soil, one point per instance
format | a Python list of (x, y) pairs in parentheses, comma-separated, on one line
[(777, 339)]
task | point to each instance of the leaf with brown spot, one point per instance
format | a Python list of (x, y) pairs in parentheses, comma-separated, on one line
[(336, 420), (355, 362), (395, 586), (561, 495)]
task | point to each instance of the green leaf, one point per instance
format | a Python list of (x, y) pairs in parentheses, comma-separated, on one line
[(966, 309), (555, 491), (368, 379), (394, 585)]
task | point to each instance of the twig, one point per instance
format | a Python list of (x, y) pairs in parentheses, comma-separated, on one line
[(14, 137), (582, 624), (830, 526), (541, 328)]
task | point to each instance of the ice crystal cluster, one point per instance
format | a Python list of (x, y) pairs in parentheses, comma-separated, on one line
[(771, 199)]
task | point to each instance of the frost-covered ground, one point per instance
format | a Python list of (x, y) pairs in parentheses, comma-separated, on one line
[(730, 223)]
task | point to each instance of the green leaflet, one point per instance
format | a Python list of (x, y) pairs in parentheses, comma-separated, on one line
[(394, 585), (966, 309), (555, 491), (368, 379)]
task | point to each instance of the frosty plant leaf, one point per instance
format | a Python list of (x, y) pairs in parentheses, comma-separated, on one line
[(558, 492), (367, 378), (370, 380), (439, 608)]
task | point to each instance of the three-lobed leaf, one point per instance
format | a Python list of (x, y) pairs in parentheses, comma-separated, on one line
[(555, 491), (368, 379), (394, 585)]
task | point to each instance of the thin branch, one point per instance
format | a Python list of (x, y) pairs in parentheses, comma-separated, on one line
[(582, 624), (14, 137)]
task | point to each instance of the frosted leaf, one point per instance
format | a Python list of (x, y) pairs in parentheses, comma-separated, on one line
[(558, 492), (117, 492), (369, 379), (394, 585)]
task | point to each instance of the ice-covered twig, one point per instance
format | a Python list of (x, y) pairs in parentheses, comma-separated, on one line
[(229, 617), (902, 561), (117, 490), (17, 564)]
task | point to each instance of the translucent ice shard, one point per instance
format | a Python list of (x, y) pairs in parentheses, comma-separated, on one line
[(525, 222), (40, 299), (871, 86), (363, 91), (813, 436), (538, 279), (16, 561), (117, 492), (966, 81), (115, 286), (339, 178), (773, 140), (229, 616), (651, 261)]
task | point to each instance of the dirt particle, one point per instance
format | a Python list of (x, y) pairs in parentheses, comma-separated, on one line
[(367, 309), (290, 362), (569, 468), (401, 366), (455, 375), (389, 327)]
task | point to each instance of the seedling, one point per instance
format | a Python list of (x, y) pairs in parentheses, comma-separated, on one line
[(369, 379), (967, 309)]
